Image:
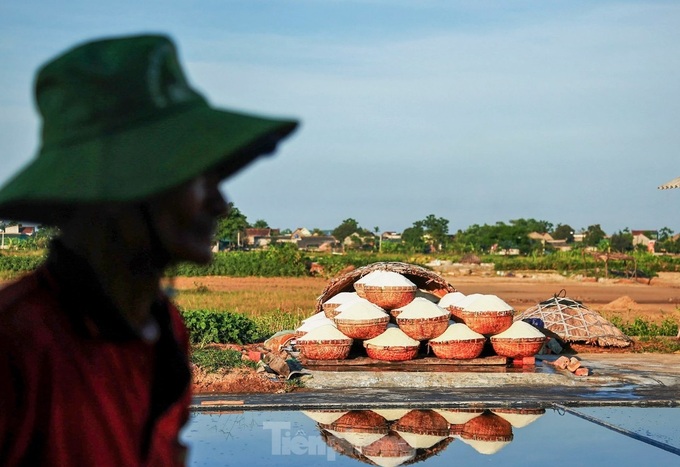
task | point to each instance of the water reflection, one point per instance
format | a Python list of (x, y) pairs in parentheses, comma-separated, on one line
[(434, 436), (392, 437)]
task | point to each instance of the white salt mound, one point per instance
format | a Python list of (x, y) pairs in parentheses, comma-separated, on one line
[(393, 337), (324, 333), (385, 279), (458, 332), (520, 330), (360, 310), (487, 303), (317, 317), (342, 297), (519, 420), (463, 302), (451, 298), (314, 322), (342, 307), (421, 308)]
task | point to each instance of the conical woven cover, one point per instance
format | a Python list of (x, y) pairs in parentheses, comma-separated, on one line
[(573, 322)]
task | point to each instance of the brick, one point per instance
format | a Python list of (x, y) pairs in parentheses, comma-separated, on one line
[(574, 364), (582, 371), (561, 363), (253, 355), (524, 361)]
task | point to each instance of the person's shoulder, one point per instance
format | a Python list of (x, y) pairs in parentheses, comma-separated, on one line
[(22, 298), (18, 290)]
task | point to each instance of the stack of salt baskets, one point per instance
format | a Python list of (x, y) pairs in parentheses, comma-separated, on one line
[(393, 309)]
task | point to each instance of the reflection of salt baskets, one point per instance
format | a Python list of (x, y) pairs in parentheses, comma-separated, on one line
[(335, 349), (329, 309), (423, 422), (488, 427), (360, 421), (391, 353), (458, 349), (390, 445), (423, 328), (389, 297), (517, 347), (362, 329), (488, 322)]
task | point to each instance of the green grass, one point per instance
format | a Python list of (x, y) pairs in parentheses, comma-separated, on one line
[(213, 360)]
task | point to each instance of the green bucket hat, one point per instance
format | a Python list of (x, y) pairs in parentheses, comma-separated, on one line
[(121, 124)]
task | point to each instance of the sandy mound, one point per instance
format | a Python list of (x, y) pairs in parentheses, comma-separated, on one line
[(621, 303)]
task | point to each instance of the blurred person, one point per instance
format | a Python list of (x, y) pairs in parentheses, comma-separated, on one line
[(93, 355)]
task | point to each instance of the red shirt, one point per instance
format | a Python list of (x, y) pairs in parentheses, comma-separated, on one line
[(77, 385)]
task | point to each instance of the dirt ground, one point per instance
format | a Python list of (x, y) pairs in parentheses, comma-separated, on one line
[(627, 299)]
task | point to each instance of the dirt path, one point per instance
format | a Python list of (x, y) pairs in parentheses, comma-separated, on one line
[(654, 301)]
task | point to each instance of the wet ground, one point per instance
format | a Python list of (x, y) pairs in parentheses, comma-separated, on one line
[(616, 379), (624, 413)]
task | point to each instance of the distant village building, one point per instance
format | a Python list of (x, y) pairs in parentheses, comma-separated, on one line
[(318, 243), (299, 233), (259, 238)]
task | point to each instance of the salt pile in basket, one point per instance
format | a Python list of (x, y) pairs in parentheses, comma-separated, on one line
[(361, 319), (421, 319), (392, 345), (387, 289), (324, 343)]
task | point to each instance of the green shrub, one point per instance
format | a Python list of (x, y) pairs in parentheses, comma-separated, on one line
[(643, 328), (213, 360), (219, 327), (283, 260)]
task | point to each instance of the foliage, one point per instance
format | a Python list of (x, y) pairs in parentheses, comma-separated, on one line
[(229, 225), (502, 236), (260, 224), (413, 238), (643, 328), (279, 260), (270, 323), (594, 235), (219, 327), (212, 359), (563, 232), (622, 241), (657, 344), (345, 229), (14, 264)]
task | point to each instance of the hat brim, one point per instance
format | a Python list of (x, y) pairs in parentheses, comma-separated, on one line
[(139, 162)]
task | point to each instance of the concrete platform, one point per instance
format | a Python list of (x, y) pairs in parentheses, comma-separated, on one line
[(616, 379)]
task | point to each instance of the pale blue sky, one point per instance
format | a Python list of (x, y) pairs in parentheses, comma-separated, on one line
[(474, 111)]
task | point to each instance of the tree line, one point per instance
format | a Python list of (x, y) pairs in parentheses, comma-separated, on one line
[(431, 234)]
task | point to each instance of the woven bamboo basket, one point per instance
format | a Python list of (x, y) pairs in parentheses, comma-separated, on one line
[(517, 347), (422, 329), (488, 427), (488, 323), (458, 349), (359, 289), (362, 329), (330, 309), (390, 297), (423, 278), (391, 353), (336, 349), (456, 313), (423, 422)]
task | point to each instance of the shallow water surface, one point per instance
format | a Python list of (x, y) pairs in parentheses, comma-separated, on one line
[(439, 437)]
